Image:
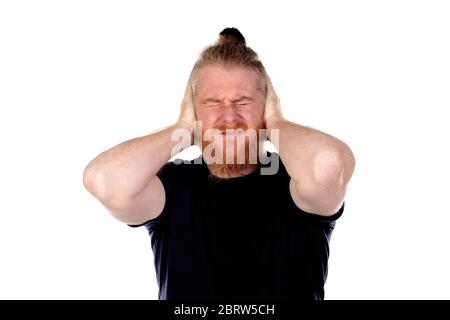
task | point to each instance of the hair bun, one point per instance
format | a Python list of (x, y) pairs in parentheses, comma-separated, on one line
[(229, 35)]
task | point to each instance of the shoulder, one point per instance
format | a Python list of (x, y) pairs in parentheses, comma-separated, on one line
[(181, 169)]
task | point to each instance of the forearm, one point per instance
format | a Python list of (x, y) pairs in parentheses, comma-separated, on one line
[(310, 155), (124, 170)]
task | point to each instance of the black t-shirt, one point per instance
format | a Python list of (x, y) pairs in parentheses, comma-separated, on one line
[(238, 238)]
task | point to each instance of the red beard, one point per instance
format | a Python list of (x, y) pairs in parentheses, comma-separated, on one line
[(239, 165)]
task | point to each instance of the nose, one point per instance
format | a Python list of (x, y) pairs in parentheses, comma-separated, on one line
[(229, 114)]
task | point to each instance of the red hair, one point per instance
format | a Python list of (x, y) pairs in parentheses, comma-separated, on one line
[(231, 50)]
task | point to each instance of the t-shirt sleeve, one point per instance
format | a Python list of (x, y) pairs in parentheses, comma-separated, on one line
[(166, 175), (323, 218)]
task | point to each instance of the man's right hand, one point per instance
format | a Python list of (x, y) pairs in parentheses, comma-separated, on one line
[(187, 112)]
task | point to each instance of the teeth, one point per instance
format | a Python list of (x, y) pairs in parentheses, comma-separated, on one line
[(230, 134)]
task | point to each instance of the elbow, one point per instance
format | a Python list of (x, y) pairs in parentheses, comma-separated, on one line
[(331, 170), (94, 182), (349, 163), (334, 166), (328, 167)]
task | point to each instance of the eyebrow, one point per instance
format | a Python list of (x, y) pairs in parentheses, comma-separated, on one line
[(217, 100)]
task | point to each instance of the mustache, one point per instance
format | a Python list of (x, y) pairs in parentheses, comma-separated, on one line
[(236, 126)]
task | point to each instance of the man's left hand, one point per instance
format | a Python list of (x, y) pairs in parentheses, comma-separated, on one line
[(272, 109)]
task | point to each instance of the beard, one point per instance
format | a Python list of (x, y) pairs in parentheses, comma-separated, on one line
[(231, 156)]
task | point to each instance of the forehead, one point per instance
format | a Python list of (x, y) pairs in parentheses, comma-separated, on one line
[(220, 80)]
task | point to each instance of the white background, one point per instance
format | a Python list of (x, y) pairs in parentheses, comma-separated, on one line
[(78, 77)]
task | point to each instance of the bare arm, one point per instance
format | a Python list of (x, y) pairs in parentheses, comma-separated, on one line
[(124, 179), (320, 165)]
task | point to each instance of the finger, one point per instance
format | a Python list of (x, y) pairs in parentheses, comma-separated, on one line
[(188, 87), (270, 89), (188, 95)]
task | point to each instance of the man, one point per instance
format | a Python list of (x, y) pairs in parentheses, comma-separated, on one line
[(222, 228)]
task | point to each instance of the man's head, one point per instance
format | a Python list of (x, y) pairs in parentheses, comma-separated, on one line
[(230, 50), (229, 91)]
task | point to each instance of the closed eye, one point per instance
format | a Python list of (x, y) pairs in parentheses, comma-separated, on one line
[(210, 104)]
